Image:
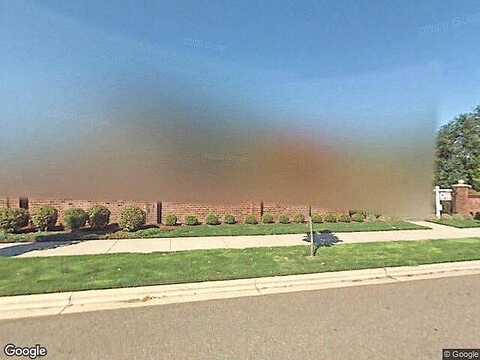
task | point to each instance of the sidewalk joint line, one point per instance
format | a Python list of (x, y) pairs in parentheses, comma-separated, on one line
[(257, 288), (111, 247), (69, 303), (388, 276)]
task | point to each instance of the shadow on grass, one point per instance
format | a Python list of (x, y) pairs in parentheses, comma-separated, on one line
[(322, 238), (78, 235), (58, 238), (16, 250), (82, 234)]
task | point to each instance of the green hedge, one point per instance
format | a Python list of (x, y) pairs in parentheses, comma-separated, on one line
[(45, 218), (132, 218), (11, 220), (75, 218)]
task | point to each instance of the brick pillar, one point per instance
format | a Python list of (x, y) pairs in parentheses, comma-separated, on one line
[(159, 212), (460, 198)]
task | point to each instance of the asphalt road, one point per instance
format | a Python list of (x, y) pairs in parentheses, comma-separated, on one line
[(411, 320)]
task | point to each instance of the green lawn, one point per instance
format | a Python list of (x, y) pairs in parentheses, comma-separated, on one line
[(270, 229), (211, 230), (458, 223), (68, 273)]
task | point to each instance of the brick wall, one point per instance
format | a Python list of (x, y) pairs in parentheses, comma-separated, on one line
[(465, 200), (240, 211), (6, 202), (115, 207), (157, 211), (315, 209), (277, 209)]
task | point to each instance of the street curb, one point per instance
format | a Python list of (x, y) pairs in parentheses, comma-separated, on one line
[(13, 307)]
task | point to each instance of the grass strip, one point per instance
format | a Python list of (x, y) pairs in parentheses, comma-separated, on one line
[(210, 230), (70, 273), (458, 223)]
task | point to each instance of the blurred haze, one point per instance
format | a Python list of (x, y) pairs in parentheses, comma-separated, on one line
[(328, 103)]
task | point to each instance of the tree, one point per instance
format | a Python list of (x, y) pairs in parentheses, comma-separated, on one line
[(458, 151)]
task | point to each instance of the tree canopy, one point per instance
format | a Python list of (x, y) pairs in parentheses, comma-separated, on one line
[(458, 151)]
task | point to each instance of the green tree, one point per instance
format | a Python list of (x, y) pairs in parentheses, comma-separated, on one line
[(458, 151)]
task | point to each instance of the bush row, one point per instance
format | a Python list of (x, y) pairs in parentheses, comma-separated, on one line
[(475, 216), (45, 218), (213, 219), (133, 218)]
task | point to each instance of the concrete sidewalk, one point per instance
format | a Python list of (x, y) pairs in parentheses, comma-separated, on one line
[(92, 247), (12, 307)]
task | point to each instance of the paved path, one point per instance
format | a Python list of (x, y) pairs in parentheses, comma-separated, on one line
[(405, 320), (91, 247)]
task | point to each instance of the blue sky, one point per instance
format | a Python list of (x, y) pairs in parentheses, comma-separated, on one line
[(68, 59)]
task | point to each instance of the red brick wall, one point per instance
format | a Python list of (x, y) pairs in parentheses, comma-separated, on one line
[(12, 203), (240, 211), (114, 206), (157, 211), (277, 209), (321, 210), (467, 204), (465, 200), (318, 210), (473, 203)]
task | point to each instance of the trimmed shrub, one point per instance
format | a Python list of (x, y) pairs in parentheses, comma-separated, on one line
[(13, 219), (268, 219), (317, 219), (45, 218), (330, 218), (212, 219), (358, 217), (22, 216), (171, 220), (251, 219), (458, 217), (75, 218), (119, 235), (299, 219), (358, 211), (390, 219), (468, 217), (370, 218), (477, 215), (345, 218), (446, 217), (98, 217), (229, 219), (132, 218), (283, 219), (191, 220)]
